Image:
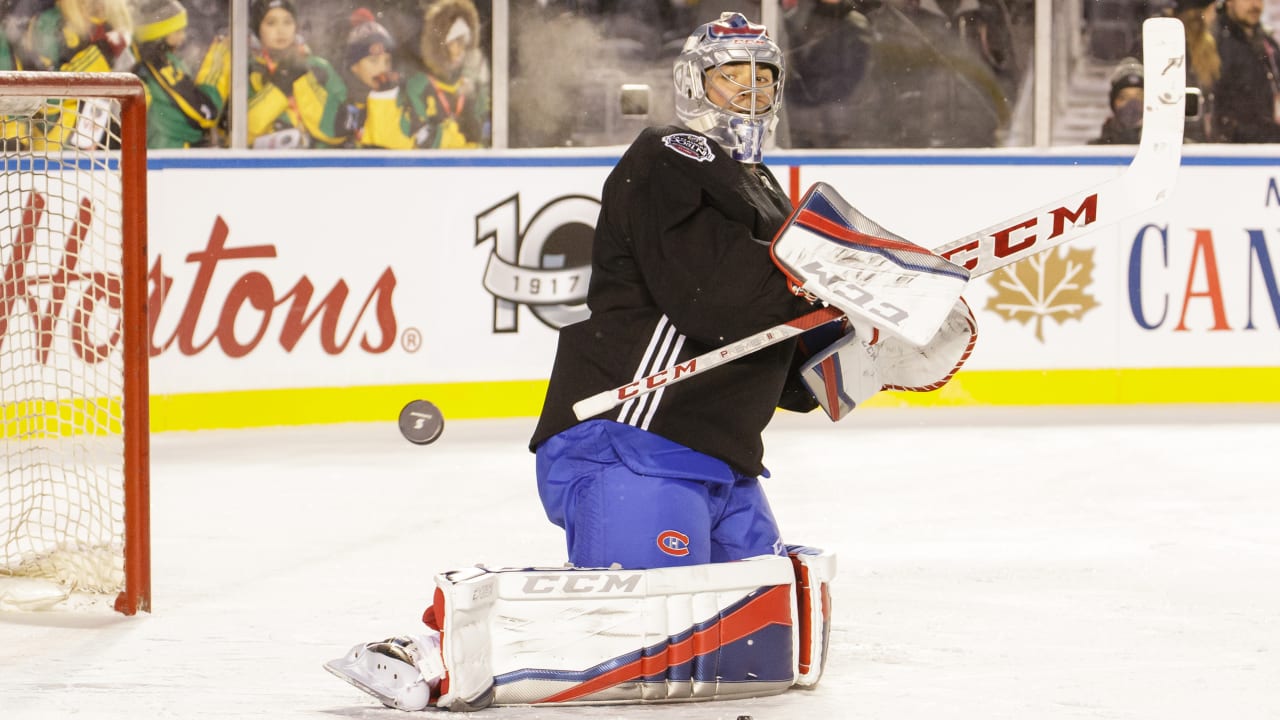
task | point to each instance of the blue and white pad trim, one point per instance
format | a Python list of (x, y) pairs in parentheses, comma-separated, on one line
[(599, 636)]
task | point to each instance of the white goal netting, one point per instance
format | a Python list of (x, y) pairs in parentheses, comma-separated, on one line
[(62, 409)]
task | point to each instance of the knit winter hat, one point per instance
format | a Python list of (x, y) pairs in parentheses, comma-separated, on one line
[(1126, 75), (367, 37), (158, 19), (258, 10)]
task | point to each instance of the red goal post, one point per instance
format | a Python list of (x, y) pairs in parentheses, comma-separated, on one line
[(75, 515)]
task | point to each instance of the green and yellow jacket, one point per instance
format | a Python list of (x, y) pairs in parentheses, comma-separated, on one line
[(181, 107), (309, 113)]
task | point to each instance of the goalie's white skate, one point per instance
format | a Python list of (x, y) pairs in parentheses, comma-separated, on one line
[(402, 672)]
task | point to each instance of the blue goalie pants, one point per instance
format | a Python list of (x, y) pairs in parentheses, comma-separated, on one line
[(624, 495)]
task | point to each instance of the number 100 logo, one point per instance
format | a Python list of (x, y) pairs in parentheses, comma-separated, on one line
[(546, 266)]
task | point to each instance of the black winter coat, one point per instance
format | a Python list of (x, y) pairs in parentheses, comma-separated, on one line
[(1244, 100)]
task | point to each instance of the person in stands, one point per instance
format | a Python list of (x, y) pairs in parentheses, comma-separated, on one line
[(448, 95), (79, 36), (296, 98), (182, 108), (1124, 125), (376, 117), (1247, 97)]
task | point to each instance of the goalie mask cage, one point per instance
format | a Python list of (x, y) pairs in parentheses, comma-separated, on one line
[(74, 514)]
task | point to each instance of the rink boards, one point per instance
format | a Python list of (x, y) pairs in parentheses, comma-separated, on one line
[(330, 287)]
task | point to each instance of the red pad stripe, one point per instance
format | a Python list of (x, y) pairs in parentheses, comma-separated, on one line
[(829, 380), (803, 608), (433, 617), (772, 607)]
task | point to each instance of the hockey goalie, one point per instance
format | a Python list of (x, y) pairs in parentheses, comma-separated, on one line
[(679, 586)]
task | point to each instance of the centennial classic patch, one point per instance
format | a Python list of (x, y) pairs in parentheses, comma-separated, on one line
[(694, 146)]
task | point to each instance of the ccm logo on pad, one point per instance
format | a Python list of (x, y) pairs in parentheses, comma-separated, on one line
[(582, 583), (673, 543)]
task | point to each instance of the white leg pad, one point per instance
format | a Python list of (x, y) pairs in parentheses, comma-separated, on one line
[(579, 636)]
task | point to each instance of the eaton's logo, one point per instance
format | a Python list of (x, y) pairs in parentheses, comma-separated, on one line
[(544, 265), (674, 543)]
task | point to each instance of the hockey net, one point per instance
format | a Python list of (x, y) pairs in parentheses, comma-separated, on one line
[(74, 516)]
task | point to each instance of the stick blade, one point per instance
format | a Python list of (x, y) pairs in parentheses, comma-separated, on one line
[(1151, 176), (1146, 183)]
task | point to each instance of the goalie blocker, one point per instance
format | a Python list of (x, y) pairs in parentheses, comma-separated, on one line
[(608, 636)]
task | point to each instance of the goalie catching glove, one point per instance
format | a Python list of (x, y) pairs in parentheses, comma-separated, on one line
[(860, 364)]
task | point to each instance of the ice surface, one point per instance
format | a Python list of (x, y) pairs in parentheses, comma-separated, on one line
[(994, 563)]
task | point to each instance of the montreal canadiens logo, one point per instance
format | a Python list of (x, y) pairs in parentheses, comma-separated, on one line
[(673, 543), (694, 146)]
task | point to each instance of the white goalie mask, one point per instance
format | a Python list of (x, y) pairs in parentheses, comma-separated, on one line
[(743, 127)]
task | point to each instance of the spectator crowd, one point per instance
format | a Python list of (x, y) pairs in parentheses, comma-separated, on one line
[(1233, 61), (313, 82), (406, 74)]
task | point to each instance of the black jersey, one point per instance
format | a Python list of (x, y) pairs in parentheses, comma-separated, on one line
[(680, 265)]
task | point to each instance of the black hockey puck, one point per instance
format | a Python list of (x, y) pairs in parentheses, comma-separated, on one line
[(421, 422)]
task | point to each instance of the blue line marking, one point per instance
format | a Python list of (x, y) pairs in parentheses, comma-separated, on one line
[(175, 160), (337, 159)]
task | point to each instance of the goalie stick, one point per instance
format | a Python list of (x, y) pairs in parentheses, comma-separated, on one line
[(1144, 184)]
